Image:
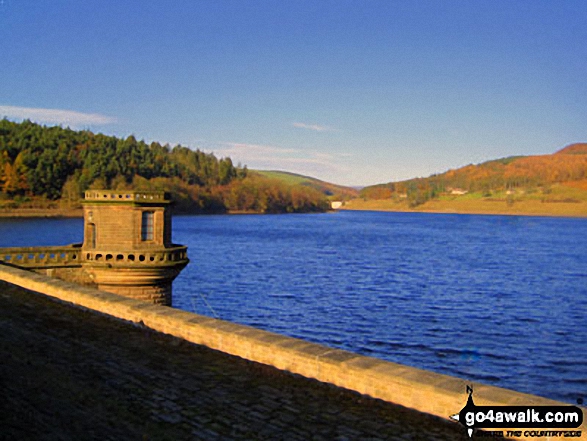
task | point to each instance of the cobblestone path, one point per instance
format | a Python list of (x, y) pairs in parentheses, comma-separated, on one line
[(72, 374)]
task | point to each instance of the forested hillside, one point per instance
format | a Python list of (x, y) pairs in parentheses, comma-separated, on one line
[(41, 165), (528, 175)]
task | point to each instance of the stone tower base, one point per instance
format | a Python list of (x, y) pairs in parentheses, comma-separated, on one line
[(159, 294), (142, 282)]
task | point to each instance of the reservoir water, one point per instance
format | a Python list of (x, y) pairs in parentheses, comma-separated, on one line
[(494, 299)]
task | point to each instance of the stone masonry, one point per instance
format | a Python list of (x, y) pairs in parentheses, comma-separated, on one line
[(127, 248), (70, 373)]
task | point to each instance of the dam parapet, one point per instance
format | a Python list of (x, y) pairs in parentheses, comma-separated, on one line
[(417, 389)]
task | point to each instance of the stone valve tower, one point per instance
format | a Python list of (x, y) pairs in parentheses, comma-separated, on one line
[(127, 248), (127, 245)]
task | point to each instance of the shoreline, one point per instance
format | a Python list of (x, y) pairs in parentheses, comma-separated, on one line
[(468, 213), (490, 208), (41, 212), (16, 213), (485, 208)]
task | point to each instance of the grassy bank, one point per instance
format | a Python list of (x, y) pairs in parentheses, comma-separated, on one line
[(529, 207)]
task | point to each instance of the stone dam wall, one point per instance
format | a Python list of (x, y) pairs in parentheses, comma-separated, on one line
[(418, 389)]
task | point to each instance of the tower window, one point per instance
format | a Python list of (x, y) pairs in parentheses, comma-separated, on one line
[(92, 235), (147, 225)]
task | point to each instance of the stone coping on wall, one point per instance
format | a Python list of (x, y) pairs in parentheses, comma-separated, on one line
[(418, 389)]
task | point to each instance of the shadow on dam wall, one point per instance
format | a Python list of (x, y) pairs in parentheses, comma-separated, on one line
[(417, 389)]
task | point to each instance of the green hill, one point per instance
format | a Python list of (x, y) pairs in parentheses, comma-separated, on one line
[(332, 191)]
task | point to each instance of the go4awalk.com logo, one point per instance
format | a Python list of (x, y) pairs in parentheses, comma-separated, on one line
[(557, 419)]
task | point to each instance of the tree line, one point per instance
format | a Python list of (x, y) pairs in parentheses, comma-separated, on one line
[(58, 164)]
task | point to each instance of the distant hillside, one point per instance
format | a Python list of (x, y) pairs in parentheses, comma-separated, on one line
[(49, 167), (333, 191), (579, 148), (560, 177)]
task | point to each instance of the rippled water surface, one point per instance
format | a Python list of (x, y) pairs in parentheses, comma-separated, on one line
[(500, 300)]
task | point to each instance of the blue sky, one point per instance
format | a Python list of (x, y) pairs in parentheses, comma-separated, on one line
[(352, 92)]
